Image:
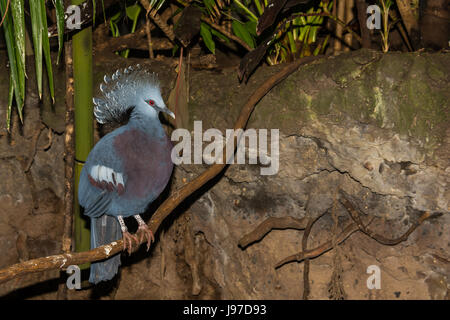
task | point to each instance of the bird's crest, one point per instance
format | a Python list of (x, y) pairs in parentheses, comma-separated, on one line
[(120, 92)]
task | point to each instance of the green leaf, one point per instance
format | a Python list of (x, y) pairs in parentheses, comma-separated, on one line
[(17, 24), (104, 14), (209, 4), (251, 27), (205, 33), (94, 5), (258, 7), (156, 4), (303, 32), (114, 29), (292, 44), (10, 99), (321, 47), (113, 24), (241, 32), (133, 13), (295, 29), (175, 49), (313, 34), (36, 27), (219, 35), (17, 10), (46, 47), (250, 14), (12, 56), (59, 8), (302, 20)]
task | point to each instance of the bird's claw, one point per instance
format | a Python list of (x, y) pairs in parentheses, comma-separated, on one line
[(128, 241), (145, 231)]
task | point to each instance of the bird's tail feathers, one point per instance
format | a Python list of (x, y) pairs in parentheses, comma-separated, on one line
[(104, 230)]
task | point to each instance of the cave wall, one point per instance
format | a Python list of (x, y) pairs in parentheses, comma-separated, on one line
[(373, 125)]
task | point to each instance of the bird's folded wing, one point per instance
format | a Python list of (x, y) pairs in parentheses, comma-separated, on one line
[(97, 205), (106, 179)]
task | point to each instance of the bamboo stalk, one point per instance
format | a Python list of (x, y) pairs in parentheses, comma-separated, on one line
[(339, 27), (361, 7), (409, 20), (348, 38), (84, 128)]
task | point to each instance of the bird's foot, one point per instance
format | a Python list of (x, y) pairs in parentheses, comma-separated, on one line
[(144, 231), (128, 241)]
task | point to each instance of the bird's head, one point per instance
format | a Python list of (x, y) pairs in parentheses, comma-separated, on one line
[(152, 101), (131, 89)]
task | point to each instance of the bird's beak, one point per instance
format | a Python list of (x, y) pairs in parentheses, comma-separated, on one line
[(170, 113)]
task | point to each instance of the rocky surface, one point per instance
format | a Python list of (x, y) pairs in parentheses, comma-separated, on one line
[(373, 125)]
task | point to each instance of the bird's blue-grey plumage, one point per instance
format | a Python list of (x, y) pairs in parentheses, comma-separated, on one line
[(129, 167)]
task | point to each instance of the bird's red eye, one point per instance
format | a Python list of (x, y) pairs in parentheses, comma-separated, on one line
[(151, 102)]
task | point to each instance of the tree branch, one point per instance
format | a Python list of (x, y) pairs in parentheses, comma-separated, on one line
[(306, 288), (131, 41), (268, 225), (318, 251), (168, 31), (69, 157), (377, 237), (361, 8)]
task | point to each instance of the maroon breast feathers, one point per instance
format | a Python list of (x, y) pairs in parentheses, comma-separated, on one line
[(146, 162)]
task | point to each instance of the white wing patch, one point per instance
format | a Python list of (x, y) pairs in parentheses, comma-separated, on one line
[(106, 178)]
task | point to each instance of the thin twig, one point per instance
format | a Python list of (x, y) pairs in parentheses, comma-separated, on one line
[(177, 86), (149, 38), (69, 157), (335, 287), (49, 142), (227, 33), (168, 31), (34, 141), (351, 228), (6, 12), (402, 30), (318, 251), (306, 266), (377, 237), (132, 40), (306, 289), (269, 224), (339, 28)]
